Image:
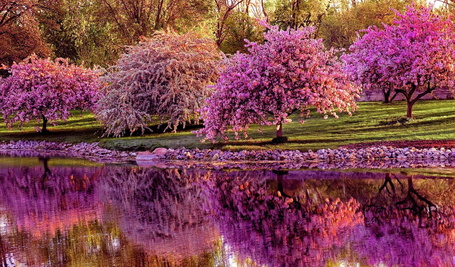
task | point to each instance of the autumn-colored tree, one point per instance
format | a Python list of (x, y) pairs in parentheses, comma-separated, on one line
[(290, 72), (224, 11), (136, 18), (19, 31), (161, 80), (415, 56), (46, 91)]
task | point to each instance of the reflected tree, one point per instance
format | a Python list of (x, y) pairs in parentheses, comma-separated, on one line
[(406, 227), (261, 222), (273, 227), (38, 196), (91, 216), (41, 202), (161, 211), (403, 197)]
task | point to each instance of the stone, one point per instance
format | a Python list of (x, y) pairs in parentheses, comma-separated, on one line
[(160, 151), (215, 157), (144, 156)]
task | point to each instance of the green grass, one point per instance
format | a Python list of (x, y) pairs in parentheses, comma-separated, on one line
[(373, 121), (81, 127)]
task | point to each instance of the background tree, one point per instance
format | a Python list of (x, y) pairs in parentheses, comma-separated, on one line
[(242, 23), (96, 32), (78, 30), (364, 66), (300, 13), (290, 72), (19, 31), (224, 9), (46, 91), (345, 19), (416, 55), (162, 80), (136, 18)]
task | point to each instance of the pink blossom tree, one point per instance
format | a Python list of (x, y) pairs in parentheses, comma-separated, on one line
[(363, 66), (162, 80), (290, 72), (46, 91), (414, 57)]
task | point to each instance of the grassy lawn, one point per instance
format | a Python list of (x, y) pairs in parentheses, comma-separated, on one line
[(373, 121)]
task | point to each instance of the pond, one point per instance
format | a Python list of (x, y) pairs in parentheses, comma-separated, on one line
[(69, 212)]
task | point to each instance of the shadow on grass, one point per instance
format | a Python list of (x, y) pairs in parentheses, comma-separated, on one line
[(90, 134), (159, 129), (78, 121)]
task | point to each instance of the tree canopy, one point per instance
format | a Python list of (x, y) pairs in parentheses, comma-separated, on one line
[(19, 31), (289, 72), (414, 56), (46, 90), (162, 80)]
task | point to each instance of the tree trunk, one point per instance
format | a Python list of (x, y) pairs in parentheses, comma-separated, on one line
[(44, 128), (279, 180), (409, 109), (279, 134), (279, 130), (386, 96)]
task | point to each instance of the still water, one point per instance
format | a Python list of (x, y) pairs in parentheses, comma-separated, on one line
[(61, 212)]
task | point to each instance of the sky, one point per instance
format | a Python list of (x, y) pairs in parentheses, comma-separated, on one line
[(435, 2)]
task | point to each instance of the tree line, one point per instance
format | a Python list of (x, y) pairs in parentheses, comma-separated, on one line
[(96, 31)]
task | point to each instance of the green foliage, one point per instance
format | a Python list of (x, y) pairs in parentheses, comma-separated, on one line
[(78, 30), (300, 13), (240, 27), (340, 27)]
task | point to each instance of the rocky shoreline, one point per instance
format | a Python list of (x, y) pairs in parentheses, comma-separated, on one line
[(382, 157), (343, 158), (88, 151)]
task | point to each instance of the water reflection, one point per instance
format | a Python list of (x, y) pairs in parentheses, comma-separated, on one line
[(160, 210), (407, 224), (41, 207), (54, 213)]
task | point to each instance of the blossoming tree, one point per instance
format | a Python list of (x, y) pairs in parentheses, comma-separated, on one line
[(46, 91), (290, 72), (363, 65), (161, 80), (414, 57)]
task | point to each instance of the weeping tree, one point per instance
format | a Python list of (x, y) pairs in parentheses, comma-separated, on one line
[(162, 80), (291, 72)]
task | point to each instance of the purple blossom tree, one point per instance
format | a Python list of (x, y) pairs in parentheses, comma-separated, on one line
[(413, 57), (46, 91), (161, 80), (290, 72)]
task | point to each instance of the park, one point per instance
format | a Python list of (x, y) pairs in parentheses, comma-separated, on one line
[(227, 133)]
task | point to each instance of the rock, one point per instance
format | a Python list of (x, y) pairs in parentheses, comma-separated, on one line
[(215, 157), (146, 155), (160, 151)]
